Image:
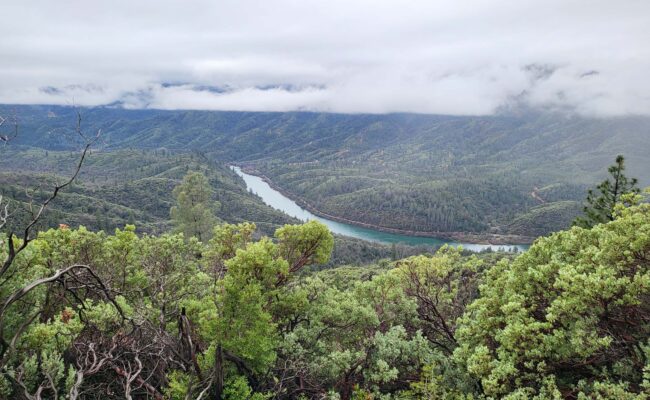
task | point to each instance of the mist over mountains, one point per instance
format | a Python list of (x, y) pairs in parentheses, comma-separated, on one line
[(589, 57), (325, 200)]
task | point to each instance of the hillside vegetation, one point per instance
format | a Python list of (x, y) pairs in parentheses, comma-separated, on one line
[(197, 307), (122, 187), (523, 174), (126, 187), (168, 317)]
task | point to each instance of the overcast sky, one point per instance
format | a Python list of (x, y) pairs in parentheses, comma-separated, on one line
[(446, 57)]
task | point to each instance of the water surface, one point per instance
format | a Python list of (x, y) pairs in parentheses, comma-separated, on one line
[(281, 202)]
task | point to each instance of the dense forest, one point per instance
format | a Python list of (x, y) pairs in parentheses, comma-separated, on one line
[(154, 274), (127, 186), (523, 174), (135, 187), (123, 315), (325, 200)]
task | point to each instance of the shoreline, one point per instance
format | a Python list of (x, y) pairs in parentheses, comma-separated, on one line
[(467, 237)]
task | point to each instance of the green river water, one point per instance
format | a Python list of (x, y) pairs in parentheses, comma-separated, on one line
[(279, 201)]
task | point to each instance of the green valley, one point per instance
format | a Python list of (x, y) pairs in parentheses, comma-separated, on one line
[(523, 174), (325, 200)]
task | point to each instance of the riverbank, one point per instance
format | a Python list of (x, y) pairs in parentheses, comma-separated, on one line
[(467, 237)]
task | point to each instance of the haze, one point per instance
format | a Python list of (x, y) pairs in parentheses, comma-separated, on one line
[(443, 57)]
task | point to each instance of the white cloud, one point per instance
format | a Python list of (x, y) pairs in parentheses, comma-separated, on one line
[(443, 56)]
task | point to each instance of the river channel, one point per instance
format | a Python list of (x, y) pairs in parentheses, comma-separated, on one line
[(281, 202)]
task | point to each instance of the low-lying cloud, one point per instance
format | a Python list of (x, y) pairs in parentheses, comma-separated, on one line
[(445, 57)]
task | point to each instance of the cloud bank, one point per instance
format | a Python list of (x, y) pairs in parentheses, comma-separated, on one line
[(469, 57)]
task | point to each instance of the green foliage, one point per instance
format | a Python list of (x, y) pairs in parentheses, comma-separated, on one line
[(566, 310), (600, 206), (437, 382), (562, 317), (361, 338), (244, 326), (178, 385), (193, 214), (442, 285), (161, 280), (123, 187), (309, 243), (180, 316), (52, 336), (238, 389), (228, 238), (343, 330), (545, 218), (412, 172)]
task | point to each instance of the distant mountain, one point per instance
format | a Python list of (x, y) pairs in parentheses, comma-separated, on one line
[(523, 173)]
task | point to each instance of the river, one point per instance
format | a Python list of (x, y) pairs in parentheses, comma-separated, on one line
[(281, 202)]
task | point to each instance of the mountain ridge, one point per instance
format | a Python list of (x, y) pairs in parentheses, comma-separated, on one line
[(399, 171)]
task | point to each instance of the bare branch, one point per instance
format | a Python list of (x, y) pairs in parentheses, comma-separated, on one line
[(57, 276), (26, 235)]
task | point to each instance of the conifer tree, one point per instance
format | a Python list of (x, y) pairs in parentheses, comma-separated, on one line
[(601, 201), (193, 214)]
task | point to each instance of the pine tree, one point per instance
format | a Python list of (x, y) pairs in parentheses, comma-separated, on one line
[(601, 202), (193, 214)]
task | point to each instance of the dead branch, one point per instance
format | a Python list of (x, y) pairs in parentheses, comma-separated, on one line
[(36, 216), (57, 276)]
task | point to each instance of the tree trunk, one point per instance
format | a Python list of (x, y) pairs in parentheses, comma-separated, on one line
[(218, 373)]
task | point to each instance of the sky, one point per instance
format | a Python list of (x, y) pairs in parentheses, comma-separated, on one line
[(460, 57)]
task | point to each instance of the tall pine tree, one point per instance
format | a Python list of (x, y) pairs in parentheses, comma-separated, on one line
[(601, 201), (193, 214)]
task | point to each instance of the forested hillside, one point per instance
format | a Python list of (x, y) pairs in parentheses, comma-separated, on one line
[(121, 187), (524, 174), (126, 187), (325, 200), (88, 315), (192, 307)]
